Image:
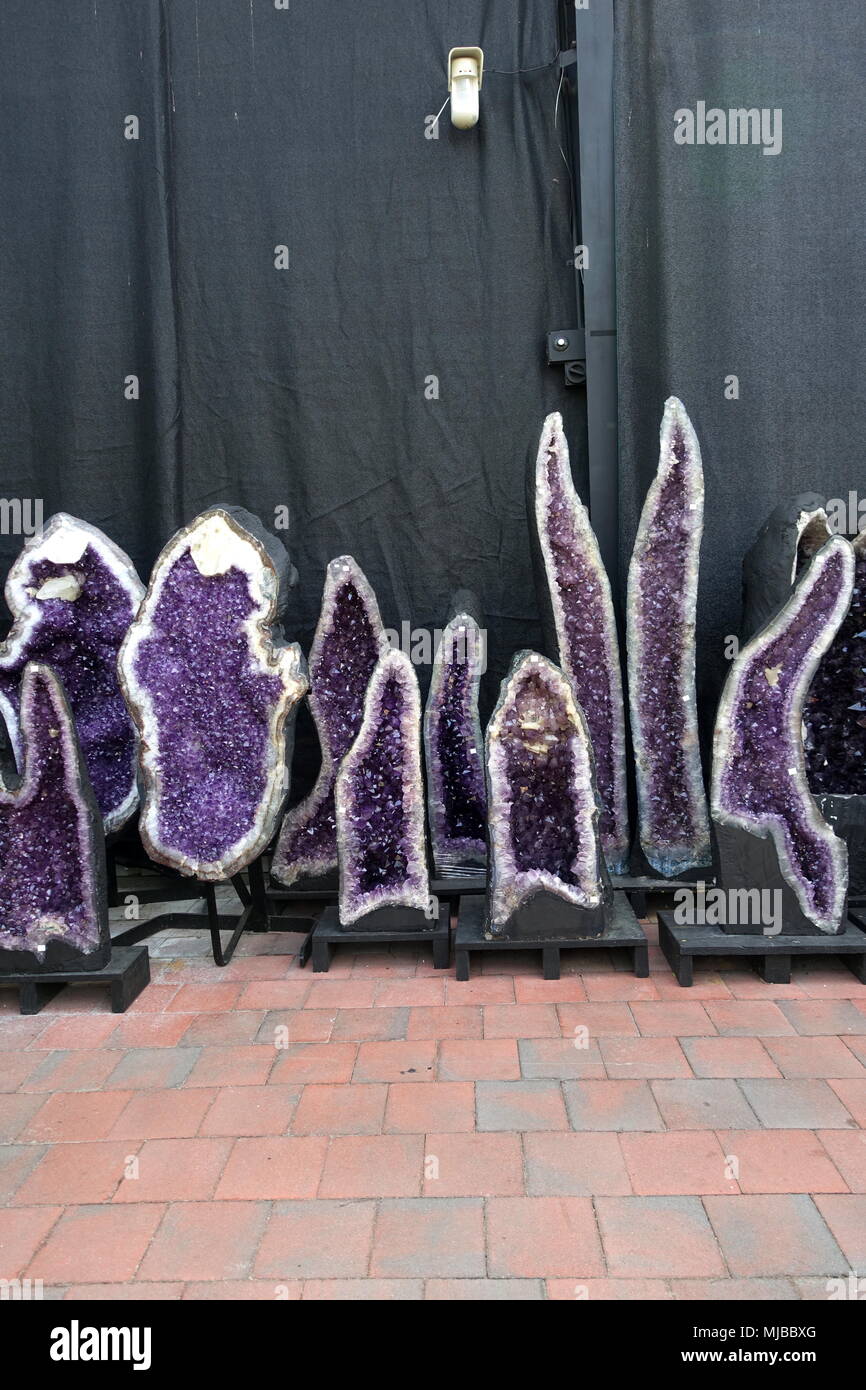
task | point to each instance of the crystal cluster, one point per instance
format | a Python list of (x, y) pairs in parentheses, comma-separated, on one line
[(51, 848), (212, 691), (73, 593), (542, 809), (673, 825), (577, 593), (759, 771), (835, 710), (348, 641), (456, 794), (379, 798)]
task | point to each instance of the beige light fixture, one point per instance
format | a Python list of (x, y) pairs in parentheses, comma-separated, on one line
[(465, 70)]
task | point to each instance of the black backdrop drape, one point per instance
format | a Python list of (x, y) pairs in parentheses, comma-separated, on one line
[(411, 259)]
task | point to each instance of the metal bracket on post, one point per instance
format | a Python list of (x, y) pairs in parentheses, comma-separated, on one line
[(568, 347)]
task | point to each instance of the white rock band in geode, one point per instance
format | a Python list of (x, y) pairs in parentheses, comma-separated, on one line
[(759, 771), (542, 806), (348, 641), (453, 743), (73, 593), (577, 592), (673, 823), (52, 875), (380, 799), (212, 693)]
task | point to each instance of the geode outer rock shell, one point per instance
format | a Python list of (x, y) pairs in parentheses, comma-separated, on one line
[(53, 905), (213, 694), (453, 743), (759, 771), (786, 542), (835, 709), (73, 594), (348, 642), (581, 626), (673, 823), (542, 805), (380, 799)]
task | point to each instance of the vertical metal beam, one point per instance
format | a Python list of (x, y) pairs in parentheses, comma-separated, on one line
[(594, 175)]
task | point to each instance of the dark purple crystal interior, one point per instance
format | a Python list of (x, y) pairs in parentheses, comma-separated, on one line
[(585, 621), (464, 799), (212, 708), (663, 576), (835, 711), (40, 846), (539, 766), (339, 678), (376, 812), (758, 781), (80, 640)]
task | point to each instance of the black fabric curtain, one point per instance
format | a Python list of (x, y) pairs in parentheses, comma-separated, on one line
[(386, 385)]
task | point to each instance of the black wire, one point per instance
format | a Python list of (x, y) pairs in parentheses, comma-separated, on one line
[(516, 72)]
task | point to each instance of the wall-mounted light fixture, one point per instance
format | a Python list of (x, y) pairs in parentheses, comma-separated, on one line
[(465, 70)]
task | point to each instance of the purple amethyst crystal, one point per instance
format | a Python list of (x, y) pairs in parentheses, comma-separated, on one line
[(542, 808), (759, 770), (380, 799), (73, 593), (785, 544), (673, 825), (456, 794), (835, 710), (212, 693), (52, 865), (348, 642), (583, 624)]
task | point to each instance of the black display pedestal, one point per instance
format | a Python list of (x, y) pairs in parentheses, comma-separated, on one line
[(387, 926), (637, 886), (126, 974), (681, 944), (622, 931)]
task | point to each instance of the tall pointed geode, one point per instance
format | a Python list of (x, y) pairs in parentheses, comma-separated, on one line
[(380, 799), (53, 904), (580, 626), (759, 783), (348, 641), (542, 807), (783, 547), (73, 593), (213, 695), (453, 744), (835, 709), (673, 824)]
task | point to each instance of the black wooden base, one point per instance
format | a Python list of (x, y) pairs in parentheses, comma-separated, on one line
[(329, 933), (637, 886), (126, 974), (623, 932), (772, 954)]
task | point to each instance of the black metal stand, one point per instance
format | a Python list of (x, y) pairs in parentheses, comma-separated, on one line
[(772, 954), (622, 932), (404, 925), (126, 974), (191, 921)]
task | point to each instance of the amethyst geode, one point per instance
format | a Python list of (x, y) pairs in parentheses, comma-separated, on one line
[(673, 824), (835, 710), (348, 641), (453, 744), (380, 799), (581, 625), (759, 771), (73, 593), (53, 909), (212, 690), (542, 806)]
